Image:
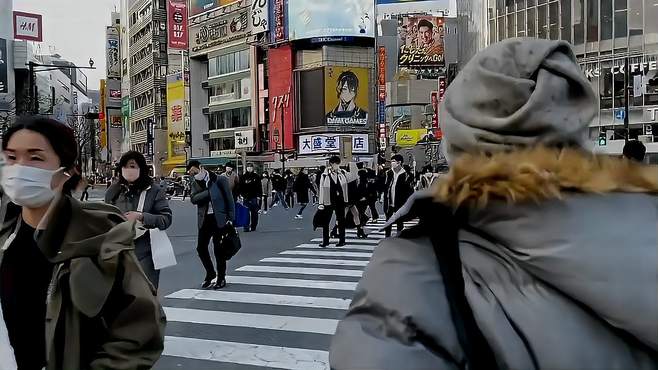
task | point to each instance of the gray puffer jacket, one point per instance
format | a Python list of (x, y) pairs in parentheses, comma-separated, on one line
[(559, 261)]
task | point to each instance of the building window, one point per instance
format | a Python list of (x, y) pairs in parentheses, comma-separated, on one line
[(532, 28), (621, 25), (578, 22), (605, 85), (565, 27), (228, 63), (492, 30), (635, 32), (230, 118), (592, 21), (520, 4), (542, 27), (511, 28), (500, 7), (520, 24), (501, 28), (554, 20), (606, 19), (650, 24), (224, 143)]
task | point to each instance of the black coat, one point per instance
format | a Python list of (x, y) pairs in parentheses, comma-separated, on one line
[(278, 183), (403, 189), (302, 186), (250, 186)]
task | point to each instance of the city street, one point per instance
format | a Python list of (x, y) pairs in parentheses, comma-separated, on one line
[(282, 303)]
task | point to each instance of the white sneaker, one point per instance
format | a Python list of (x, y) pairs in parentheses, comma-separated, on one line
[(260, 212), (298, 217), (264, 212)]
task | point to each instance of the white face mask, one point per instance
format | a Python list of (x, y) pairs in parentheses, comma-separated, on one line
[(201, 175), (26, 186), (250, 169), (335, 167), (395, 165)]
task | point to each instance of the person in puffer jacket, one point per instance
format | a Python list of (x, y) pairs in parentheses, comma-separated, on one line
[(558, 247)]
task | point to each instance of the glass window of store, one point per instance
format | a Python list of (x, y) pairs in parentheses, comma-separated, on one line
[(592, 21), (618, 83), (565, 14), (511, 26), (520, 24), (606, 19), (621, 23), (605, 84), (223, 143), (594, 80), (554, 20), (578, 22), (531, 22), (542, 26), (650, 81), (635, 86), (651, 25)]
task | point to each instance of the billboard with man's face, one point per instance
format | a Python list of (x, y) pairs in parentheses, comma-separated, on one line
[(421, 41), (346, 96)]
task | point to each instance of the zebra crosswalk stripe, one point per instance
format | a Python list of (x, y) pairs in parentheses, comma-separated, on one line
[(262, 298), (314, 261)]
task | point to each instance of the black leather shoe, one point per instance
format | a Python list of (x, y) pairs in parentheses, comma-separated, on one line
[(221, 284), (341, 244), (323, 245), (207, 282)]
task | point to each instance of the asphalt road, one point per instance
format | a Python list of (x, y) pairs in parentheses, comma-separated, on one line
[(282, 303)]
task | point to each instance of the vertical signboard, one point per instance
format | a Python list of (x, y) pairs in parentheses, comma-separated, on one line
[(28, 26), (434, 98), (279, 31), (280, 66), (175, 116), (150, 138), (260, 16), (381, 96), (177, 24), (3, 66), (440, 94), (113, 59), (421, 41), (101, 117)]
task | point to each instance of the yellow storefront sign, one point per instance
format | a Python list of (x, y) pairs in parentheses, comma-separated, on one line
[(409, 137), (176, 119)]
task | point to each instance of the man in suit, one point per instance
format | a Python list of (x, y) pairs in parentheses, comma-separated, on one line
[(216, 208), (398, 189)]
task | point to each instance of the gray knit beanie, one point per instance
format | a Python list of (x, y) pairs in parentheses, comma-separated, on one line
[(518, 92)]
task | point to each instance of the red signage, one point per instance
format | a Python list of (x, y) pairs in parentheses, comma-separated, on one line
[(28, 26), (381, 74), (177, 24), (436, 99), (280, 66), (279, 26)]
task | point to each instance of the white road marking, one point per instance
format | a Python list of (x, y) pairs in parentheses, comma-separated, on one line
[(262, 298), (252, 320), (301, 270), (328, 253), (370, 235), (349, 241), (348, 246), (291, 283), (315, 261), (270, 357)]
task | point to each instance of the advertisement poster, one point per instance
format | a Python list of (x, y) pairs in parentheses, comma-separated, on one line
[(330, 143), (3, 67), (346, 96), (218, 31), (177, 24), (279, 29), (337, 18), (175, 115), (421, 41), (113, 59), (202, 6), (407, 138), (115, 122), (101, 117), (260, 16)]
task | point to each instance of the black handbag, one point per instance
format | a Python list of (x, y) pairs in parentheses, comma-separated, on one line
[(321, 218), (229, 242)]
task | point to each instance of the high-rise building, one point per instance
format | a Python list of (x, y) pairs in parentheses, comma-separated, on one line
[(147, 70), (608, 37)]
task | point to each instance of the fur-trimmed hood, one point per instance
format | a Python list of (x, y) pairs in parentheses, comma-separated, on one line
[(539, 174)]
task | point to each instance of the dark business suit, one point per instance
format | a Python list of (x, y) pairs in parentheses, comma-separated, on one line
[(403, 191), (218, 194)]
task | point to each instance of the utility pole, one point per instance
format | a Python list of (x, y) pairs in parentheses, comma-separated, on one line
[(626, 97)]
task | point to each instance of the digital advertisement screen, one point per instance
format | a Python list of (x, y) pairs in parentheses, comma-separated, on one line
[(338, 18), (346, 96)]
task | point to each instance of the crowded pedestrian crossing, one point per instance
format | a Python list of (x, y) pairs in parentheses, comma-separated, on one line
[(279, 313)]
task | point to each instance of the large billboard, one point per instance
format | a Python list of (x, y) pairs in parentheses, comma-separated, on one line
[(176, 115), (3, 67), (218, 31), (202, 6), (113, 59), (177, 24), (346, 96), (281, 102), (337, 18), (421, 41)]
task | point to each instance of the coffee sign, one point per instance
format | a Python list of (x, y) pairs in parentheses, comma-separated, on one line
[(633, 68)]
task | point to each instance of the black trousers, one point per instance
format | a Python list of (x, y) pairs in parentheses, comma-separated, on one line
[(339, 210), (263, 201), (389, 213), (253, 206), (209, 230), (372, 203)]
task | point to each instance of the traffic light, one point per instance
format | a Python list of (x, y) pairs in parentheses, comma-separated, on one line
[(602, 140)]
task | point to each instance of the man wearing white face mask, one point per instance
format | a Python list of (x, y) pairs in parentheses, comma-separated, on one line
[(398, 190)]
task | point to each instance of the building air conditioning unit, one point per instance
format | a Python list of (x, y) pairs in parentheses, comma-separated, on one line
[(645, 138)]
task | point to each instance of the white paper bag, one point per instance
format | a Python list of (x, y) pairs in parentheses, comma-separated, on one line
[(7, 359), (162, 251)]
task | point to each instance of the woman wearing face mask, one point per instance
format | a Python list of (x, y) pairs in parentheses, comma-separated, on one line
[(266, 185), (126, 193), (72, 293)]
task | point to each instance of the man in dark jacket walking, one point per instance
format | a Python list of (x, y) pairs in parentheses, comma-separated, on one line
[(301, 187), (251, 190), (216, 208), (398, 190), (279, 186)]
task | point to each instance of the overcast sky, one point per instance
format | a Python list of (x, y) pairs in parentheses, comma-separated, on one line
[(75, 29)]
